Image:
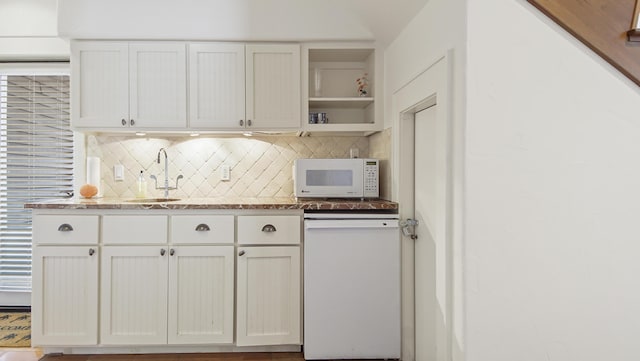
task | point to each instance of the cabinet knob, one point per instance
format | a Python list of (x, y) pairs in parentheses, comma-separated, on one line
[(202, 227), (249, 122), (268, 228), (124, 122), (65, 227), (241, 122), (162, 251), (91, 251), (172, 252), (133, 122), (241, 253)]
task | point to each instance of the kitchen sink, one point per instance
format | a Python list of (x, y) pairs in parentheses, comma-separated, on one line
[(152, 200)]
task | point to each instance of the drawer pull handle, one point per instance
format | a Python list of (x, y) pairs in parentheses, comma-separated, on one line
[(202, 227), (268, 228), (65, 227), (124, 122), (162, 251), (172, 252), (241, 253), (132, 122), (91, 251)]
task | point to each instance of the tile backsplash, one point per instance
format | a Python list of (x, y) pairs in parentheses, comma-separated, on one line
[(260, 166)]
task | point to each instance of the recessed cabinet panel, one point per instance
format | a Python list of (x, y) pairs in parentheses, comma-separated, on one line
[(64, 300), (273, 86), (133, 295), (99, 84), (157, 77), (268, 289), (201, 295), (216, 85)]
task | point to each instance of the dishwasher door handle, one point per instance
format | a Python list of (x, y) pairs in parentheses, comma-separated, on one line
[(351, 223)]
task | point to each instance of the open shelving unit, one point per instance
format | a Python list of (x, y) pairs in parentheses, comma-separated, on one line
[(331, 73)]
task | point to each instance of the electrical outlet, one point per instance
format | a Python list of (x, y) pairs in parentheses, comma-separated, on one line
[(225, 172), (118, 172)]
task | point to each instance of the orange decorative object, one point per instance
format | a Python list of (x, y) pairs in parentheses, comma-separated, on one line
[(88, 190)]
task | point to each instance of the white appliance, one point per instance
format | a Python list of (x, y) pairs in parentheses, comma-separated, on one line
[(336, 178), (351, 286)]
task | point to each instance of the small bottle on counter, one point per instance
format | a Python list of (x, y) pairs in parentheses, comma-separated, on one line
[(141, 191)]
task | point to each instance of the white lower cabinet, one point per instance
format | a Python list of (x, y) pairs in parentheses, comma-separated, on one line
[(133, 295), (64, 307), (167, 278), (167, 295), (268, 305), (201, 295)]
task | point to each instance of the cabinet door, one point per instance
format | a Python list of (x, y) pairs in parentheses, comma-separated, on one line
[(158, 84), (201, 295), (268, 291), (64, 296), (273, 86), (99, 84), (216, 86), (133, 295)]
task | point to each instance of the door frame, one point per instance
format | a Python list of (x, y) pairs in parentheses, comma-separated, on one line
[(432, 86)]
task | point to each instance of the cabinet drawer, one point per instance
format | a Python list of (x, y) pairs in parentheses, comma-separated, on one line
[(65, 229), (269, 230), (202, 229), (134, 229)]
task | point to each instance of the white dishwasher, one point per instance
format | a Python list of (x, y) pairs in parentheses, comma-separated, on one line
[(351, 286)]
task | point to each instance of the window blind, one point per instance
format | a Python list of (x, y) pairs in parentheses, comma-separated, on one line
[(36, 163)]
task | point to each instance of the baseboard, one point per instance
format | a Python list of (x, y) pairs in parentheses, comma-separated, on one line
[(15, 308)]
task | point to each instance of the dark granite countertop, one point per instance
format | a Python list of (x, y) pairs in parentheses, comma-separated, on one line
[(220, 203)]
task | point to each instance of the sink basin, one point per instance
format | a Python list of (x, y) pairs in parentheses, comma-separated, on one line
[(152, 200)]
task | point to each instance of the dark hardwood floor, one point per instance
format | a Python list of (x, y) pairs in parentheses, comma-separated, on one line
[(257, 356)]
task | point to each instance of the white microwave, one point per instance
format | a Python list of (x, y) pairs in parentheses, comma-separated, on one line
[(336, 178)]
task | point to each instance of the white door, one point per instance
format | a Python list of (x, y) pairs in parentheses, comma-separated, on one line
[(430, 246), (268, 291), (99, 84), (216, 86), (134, 295), (158, 85), (65, 296), (273, 86), (201, 294)]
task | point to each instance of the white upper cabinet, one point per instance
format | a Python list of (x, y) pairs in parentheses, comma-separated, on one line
[(99, 84), (158, 85), (123, 85), (216, 85), (273, 86), (247, 87)]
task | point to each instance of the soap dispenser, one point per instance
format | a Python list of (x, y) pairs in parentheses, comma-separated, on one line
[(141, 191)]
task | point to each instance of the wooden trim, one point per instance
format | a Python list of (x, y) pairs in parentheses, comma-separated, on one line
[(603, 26), (633, 35)]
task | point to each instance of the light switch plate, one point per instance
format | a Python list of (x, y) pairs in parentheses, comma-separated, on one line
[(118, 172), (225, 172)]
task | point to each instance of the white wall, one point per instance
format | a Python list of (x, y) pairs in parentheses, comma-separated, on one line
[(28, 30), (553, 195), (439, 27), (237, 20)]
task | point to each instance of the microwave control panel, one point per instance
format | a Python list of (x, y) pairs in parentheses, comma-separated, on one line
[(371, 178)]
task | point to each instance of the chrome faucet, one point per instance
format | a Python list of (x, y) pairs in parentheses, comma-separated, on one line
[(166, 174)]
